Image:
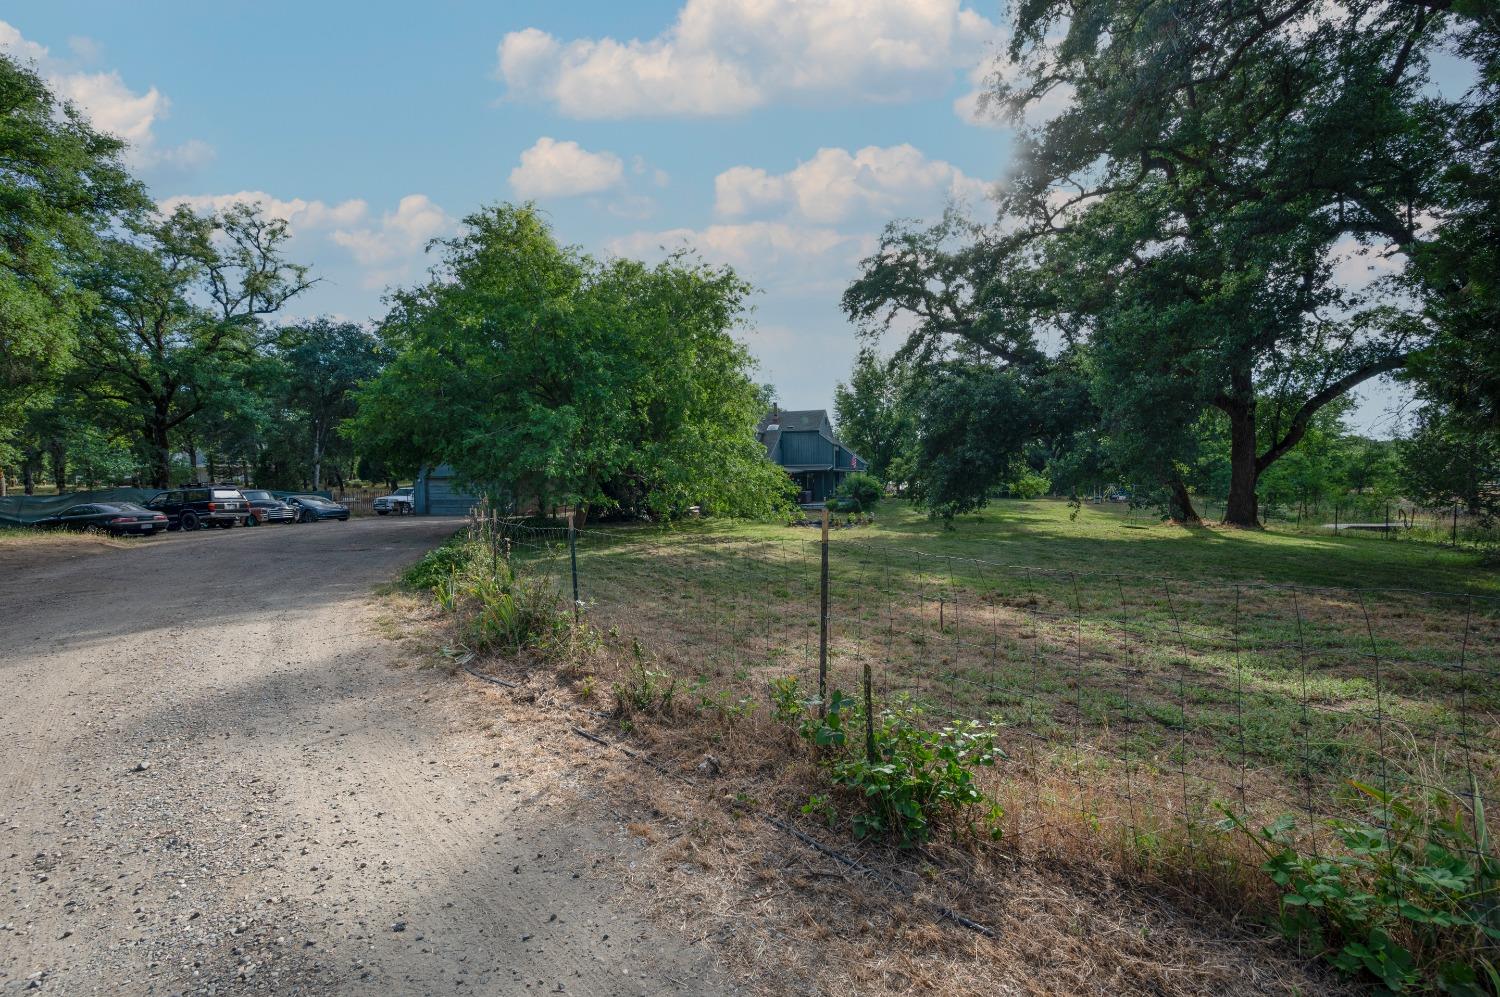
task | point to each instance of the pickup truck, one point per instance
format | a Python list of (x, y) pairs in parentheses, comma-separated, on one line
[(399, 502)]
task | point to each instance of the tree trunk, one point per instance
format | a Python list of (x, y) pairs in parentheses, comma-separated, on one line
[(1182, 503), (213, 467), (1242, 508), (59, 453), (317, 455), (161, 454), (580, 515)]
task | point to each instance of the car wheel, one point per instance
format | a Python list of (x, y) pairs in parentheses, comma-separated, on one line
[(190, 522)]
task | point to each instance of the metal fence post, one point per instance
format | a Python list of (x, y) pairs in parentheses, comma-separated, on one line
[(573, 559), (1455, 524), (869, 718), (823, 623)]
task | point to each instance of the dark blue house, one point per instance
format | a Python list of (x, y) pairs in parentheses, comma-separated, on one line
[(803, 442)]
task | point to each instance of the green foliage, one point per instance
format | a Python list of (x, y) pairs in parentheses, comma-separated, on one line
[(1028, 484), (537, 371), (787, 699), (645, 689), (61, 185), (511, 611), (497, 608), (861, 492), (440, 564), (1446, 462), (180, 302), (874, 413), (918, 780), (1411, 896)]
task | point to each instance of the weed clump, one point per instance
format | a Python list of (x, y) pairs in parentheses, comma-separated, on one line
[(1410, 897), (902, 780)]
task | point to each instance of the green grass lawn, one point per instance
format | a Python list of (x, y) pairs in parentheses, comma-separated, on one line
[(1111, 538), (1177, 665)]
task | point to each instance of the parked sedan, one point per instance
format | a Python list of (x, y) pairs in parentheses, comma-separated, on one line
[(267, 508), (115, 518), (314, 508)]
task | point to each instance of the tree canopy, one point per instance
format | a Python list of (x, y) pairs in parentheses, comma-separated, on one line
[(61, 183), (1184, 225), (541, 373)]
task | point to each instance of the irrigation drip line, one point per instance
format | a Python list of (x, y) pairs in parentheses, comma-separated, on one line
[(942, 912)]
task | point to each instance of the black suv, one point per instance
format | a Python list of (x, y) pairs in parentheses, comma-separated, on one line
[(197, 506)]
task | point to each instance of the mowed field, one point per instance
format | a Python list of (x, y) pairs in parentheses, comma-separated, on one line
[(1143, 673)]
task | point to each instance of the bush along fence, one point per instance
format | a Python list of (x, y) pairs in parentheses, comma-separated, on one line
[(1346, 741)]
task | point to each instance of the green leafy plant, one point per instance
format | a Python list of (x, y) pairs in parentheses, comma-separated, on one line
[(645, 689), (860, 492), (1411, 896), (787, 703), (822, 808), (439, 565), (512, 612), (917, 780)]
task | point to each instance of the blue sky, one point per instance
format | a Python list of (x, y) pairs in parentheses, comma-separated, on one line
[(776, 136)]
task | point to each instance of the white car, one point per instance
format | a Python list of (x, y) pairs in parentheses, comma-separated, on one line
[(399, 502)]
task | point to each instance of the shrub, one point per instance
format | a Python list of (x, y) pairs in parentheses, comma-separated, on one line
[(859, 492), (440, 564), (1029, 485), (511, 612), (1412, 897), (917, 780)]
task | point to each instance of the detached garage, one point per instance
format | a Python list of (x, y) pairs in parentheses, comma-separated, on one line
[(435, 494)]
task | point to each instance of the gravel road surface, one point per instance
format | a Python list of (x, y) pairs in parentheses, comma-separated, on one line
[(214, 781)]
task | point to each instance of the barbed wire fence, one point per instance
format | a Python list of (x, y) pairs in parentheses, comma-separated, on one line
[(1141, 705)]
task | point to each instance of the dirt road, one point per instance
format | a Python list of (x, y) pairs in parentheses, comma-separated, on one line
[(214, 781)]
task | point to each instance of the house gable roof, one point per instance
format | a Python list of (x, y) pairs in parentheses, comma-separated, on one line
[(812, 420)]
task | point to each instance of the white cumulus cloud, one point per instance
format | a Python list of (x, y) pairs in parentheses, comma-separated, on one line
[(404, 232), (564, 169), (110, 104), (300, 215), (836, 185), (727, 56)]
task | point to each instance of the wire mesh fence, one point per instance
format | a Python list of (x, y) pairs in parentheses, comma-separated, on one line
[(1147, 704)]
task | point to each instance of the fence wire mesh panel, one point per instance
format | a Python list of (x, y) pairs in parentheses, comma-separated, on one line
[(1141, 705)]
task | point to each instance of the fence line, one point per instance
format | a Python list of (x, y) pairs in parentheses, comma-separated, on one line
[(1143, 702)]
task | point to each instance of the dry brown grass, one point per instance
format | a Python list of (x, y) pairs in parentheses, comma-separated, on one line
[(62, 540)]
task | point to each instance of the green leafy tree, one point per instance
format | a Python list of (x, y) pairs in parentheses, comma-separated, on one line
[(537, 371), (1443, 463), (180, 302), (61, 183), (874, 412), (1186, 208), (324, 363)]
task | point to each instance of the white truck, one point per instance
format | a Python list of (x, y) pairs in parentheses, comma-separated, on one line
[(399, 502)]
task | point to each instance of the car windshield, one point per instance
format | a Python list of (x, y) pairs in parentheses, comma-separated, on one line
[(227, 493), (122, 507), (259, 496), (314, 500), (403, 491)]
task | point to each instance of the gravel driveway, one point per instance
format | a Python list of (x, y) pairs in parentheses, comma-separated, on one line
[(214, 781)]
